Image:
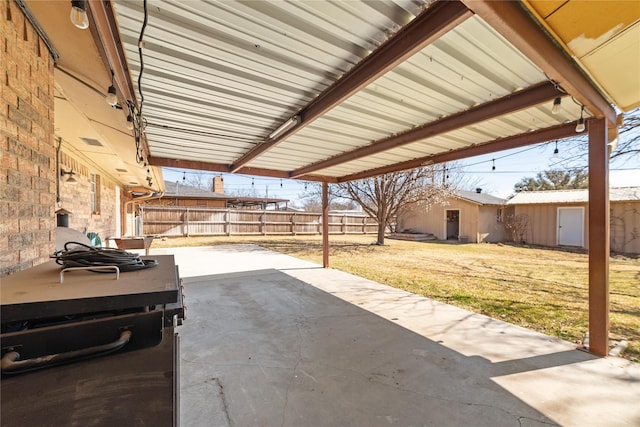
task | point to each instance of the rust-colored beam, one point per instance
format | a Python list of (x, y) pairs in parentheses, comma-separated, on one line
[(513, 22), (325, 225), (188, 164), (516, 141), (107, 36), (217, 167), (426, 28), (598, 238), (106, 28), (525, 98)]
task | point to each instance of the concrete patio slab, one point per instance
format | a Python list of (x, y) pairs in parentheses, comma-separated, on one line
[(271, 340)]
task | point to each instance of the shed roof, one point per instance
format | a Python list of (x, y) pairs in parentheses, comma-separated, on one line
[(480, 198), (619, 194)]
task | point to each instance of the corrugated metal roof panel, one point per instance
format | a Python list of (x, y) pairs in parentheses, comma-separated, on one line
[(619, 194), (219, 77), (393, 103)]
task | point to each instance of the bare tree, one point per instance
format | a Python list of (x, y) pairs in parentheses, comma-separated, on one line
[(311, 199), (574, 150), (201, 180), (518, 226), (245, 192), (384, 197)]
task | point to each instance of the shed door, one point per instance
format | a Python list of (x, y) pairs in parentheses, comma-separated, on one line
[(571, 226)]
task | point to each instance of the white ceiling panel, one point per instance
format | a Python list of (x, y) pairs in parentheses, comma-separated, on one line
[(225, 75)]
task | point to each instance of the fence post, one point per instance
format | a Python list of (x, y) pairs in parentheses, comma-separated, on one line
[(186, 220), (263, 223), (293, 224), (343, 225), (141, 220), (364, 225), (227, 222)]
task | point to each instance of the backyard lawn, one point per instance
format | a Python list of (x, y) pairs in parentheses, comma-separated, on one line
[(541, 289)]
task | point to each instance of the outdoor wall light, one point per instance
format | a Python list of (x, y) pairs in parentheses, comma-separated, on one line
[(556, 105), (71, 180), (78, 14), (580, 127)]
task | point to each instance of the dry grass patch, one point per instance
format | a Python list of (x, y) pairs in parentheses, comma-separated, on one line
[(541, 289)]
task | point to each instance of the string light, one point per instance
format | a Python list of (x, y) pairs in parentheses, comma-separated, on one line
[(112, 97), (580, 127), (556, 151), (493, 167), (556, 105), (184, 176), (78, 14)]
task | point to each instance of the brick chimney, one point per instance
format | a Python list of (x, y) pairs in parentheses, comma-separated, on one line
[(218, 184)]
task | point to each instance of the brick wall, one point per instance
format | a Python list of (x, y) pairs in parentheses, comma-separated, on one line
[(76, 198), (27, 165)]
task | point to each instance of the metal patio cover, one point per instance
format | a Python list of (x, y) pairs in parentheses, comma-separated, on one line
[(369, 87)]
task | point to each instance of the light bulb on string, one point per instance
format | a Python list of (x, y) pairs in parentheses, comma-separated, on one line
[(580, 126), (252, 182), (111, 97), (556, 151), (556, 105), (184, 176), (493, 167), (78, 14)]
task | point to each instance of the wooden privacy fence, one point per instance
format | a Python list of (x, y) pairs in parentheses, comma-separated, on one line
[(183, 221)]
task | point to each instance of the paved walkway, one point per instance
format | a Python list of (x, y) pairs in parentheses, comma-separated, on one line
[(271, 340)]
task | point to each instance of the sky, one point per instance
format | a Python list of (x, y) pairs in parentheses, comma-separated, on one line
[(510, 167)]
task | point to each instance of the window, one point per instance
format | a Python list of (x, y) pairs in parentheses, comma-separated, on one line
[(94, 190), (499, 215)]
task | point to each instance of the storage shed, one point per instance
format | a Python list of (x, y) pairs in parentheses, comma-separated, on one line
[(561, 218), (467, 216)]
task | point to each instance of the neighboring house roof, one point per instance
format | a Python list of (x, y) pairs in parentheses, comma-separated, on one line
[(177, 189), (621, 194), (479, 198), (184, 191)]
